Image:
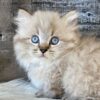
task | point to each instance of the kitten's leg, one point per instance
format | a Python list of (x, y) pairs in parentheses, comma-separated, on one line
[(50, 93), (66, 97)]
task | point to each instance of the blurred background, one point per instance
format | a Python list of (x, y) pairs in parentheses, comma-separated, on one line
[(89, 21)]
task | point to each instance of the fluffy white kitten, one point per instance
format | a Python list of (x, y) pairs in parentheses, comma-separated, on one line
[(56, 57)]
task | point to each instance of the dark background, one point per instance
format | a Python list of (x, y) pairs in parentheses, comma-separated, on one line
[(89, 21)]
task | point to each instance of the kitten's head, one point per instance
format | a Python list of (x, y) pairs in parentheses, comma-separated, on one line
[(45, 35)]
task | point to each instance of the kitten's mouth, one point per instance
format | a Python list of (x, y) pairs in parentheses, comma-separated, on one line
[(42, 55)]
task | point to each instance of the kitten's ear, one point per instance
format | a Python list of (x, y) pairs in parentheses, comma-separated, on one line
[(70, 19), (22, 16)]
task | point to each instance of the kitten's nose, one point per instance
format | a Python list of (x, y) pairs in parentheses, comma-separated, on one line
[(43, 50)]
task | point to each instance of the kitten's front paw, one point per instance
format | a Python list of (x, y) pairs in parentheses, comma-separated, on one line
[(47, 95), (64, 97), (39, 94)]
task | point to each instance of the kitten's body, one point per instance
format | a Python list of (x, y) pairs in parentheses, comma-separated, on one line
[(72, 65), (82, 76)]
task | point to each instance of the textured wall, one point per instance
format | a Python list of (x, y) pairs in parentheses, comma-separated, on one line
[(89, 10), (8, 67), (89, 20)]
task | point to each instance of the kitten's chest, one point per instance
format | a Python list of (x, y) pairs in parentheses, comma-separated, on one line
[(40, 76)]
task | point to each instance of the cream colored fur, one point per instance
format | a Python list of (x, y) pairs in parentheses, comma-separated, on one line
[(72, 66)]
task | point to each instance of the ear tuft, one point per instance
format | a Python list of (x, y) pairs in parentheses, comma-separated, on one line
[(71, 18), (23, 13), (22, 17)]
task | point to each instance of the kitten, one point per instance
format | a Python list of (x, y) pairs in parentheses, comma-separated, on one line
[(56, 57)]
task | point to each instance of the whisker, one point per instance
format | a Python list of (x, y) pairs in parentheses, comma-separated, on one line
[(35, 52), (51, 51)]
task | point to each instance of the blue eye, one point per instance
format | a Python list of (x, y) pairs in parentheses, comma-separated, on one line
[(35, 39), (54, 40)]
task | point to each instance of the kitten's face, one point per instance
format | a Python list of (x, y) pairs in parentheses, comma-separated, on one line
[(45, 35)]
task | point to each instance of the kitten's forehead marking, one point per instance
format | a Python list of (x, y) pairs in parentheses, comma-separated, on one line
[(43, 36)]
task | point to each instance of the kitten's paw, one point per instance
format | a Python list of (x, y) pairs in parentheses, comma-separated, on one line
[(69, 98), (39, 94), (64, 97)]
